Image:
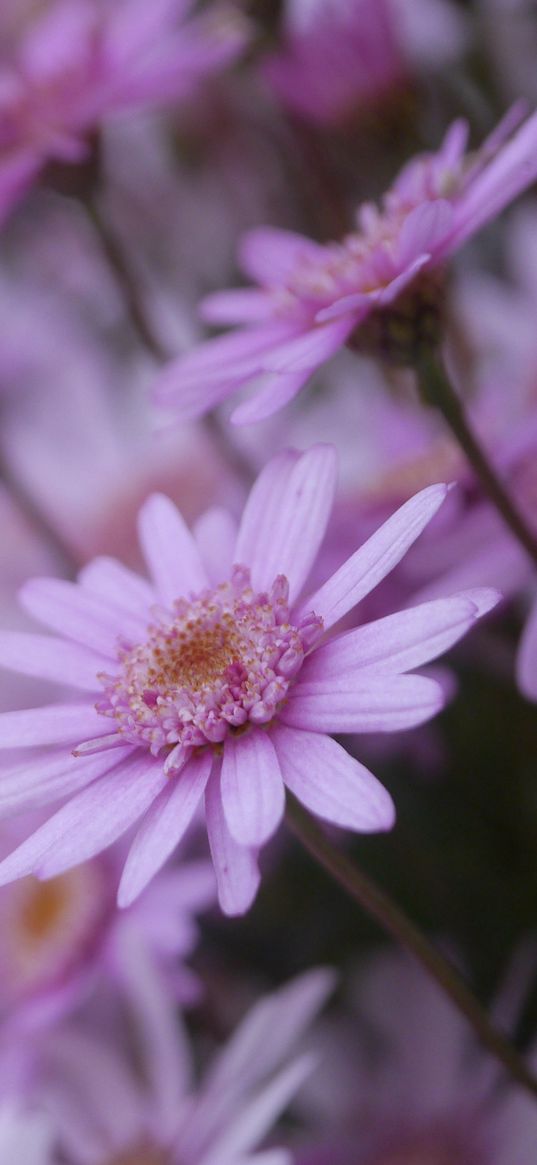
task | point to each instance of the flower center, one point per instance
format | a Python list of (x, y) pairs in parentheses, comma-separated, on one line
[(49, 927), (208, 666)]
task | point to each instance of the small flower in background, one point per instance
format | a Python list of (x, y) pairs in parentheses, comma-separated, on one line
[(406, 1085), (340, 57), (67, 65), (380, 287), (215, 678)]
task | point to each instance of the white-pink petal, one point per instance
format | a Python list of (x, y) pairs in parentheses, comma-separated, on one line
[(289, 521), (309, 350), (399, 642), (89, 822), (242, 306), (112, 581), (269, 255), (163, 827), (252, 788), (170, 550), (235, 866), (52, 659), (380, 704), (271, 391), (375, 559), (332, 783), (216, 534), (77, 614), (39, 780), (262, 505), (52, 724)]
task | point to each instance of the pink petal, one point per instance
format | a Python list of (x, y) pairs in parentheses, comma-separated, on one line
[(527, 658), (197, 381), (271, 391), (270, 256), (511, 171), (51, 659), (235, 866), (251, 788), (331, 783), (381, 704), (423, 229), (113, 581), (359, 303), (389, 293), (53, 724), (308, 351), (79, 615), (291, 522), (163, 827), (89, 822), (397, 642), (170, 550), (216, 534), (375, 559), (236, 307), (262, 505), (35, 782)]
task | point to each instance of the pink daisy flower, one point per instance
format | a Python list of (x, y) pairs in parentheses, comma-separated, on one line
[(374, 287), (69, 64), (218, 678)]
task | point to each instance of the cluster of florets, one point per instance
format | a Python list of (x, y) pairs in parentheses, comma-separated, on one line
[(209, 666)]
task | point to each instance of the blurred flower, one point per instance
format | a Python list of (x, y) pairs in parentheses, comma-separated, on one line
[(341, 56), (406, 1085), (220, 642), (109, 1106), (380, 288), (66, 65), (25, 1135)]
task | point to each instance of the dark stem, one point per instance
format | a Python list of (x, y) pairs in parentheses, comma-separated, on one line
[(436, 389), (127, 285), (392, 919)]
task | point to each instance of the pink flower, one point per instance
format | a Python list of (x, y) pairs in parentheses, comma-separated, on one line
[(382, 279), (216, 679), (337, 56), (66, 68)]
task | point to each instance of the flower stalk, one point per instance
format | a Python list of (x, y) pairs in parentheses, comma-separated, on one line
[(379, 906), (436, 389)]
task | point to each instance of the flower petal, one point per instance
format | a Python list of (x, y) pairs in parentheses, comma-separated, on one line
[(290, 522), (262, 505), (269, 255), (51, 659), (252, 788), (375, 559), (332, 783), (163, 827), (39, 780), (89, 822), (242, 306), (271, 391), (216, 534), (397, 642), (170, 550), (381, 704), (527, 658), (113, 581), (52, 724), (79, 615), (308, 351), (235, 866)]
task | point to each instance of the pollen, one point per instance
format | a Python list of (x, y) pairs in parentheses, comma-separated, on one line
[(209, 666)]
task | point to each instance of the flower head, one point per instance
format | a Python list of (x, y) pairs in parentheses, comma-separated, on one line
[(379, 288), (218, 678), (65, 65)]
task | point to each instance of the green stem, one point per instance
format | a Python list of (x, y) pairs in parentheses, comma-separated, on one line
[(436, 389), (392, 919)]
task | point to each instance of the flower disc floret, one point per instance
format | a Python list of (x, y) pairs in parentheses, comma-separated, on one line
[(210, 665)]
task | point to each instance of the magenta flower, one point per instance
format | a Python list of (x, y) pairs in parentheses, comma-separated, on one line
[(66, 68), (216, 678), (312, 298), (336, 57)]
